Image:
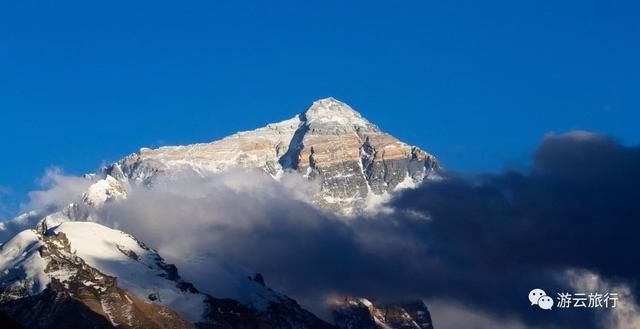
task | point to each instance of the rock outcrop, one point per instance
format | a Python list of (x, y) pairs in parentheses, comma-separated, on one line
[(360, 313)]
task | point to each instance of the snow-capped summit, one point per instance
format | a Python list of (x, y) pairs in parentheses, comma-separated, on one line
[(329, 109), (354, 162)]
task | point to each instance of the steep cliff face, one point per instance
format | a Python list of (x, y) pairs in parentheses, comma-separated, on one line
[(352, 159)]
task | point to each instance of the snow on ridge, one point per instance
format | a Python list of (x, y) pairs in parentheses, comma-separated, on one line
[(104, 190), (331, 110), (21, 265), (118, 254)]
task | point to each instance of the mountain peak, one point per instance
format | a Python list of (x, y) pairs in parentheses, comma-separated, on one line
[(355, 163), (332, 110), (329, 101)]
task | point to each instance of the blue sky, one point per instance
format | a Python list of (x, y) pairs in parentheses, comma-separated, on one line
[(477, 84)]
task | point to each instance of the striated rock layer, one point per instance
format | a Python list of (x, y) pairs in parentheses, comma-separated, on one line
[(353, 160)]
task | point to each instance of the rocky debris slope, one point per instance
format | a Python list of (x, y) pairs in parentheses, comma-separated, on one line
[(360, 313), (353, 160)]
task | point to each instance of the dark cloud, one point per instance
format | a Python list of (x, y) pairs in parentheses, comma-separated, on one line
[(578, 207), (479, 243), (503, 234)]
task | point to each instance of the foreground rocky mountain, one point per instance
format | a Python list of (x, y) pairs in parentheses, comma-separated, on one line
[(60, 269), (85, 275)]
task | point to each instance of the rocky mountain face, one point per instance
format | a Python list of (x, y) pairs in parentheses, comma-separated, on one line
[(352, 159), (63, 270)]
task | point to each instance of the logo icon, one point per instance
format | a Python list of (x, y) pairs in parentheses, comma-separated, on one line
[(545, 302), (540, 298)]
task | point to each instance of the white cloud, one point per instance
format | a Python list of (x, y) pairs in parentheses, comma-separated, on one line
[(211, 225), (56, 191), (627, 312)]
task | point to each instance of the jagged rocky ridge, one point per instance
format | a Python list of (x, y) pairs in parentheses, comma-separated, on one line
[(49, 272), (354, 161)]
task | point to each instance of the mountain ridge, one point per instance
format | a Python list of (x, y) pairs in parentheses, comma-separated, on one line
[(354, 161)]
